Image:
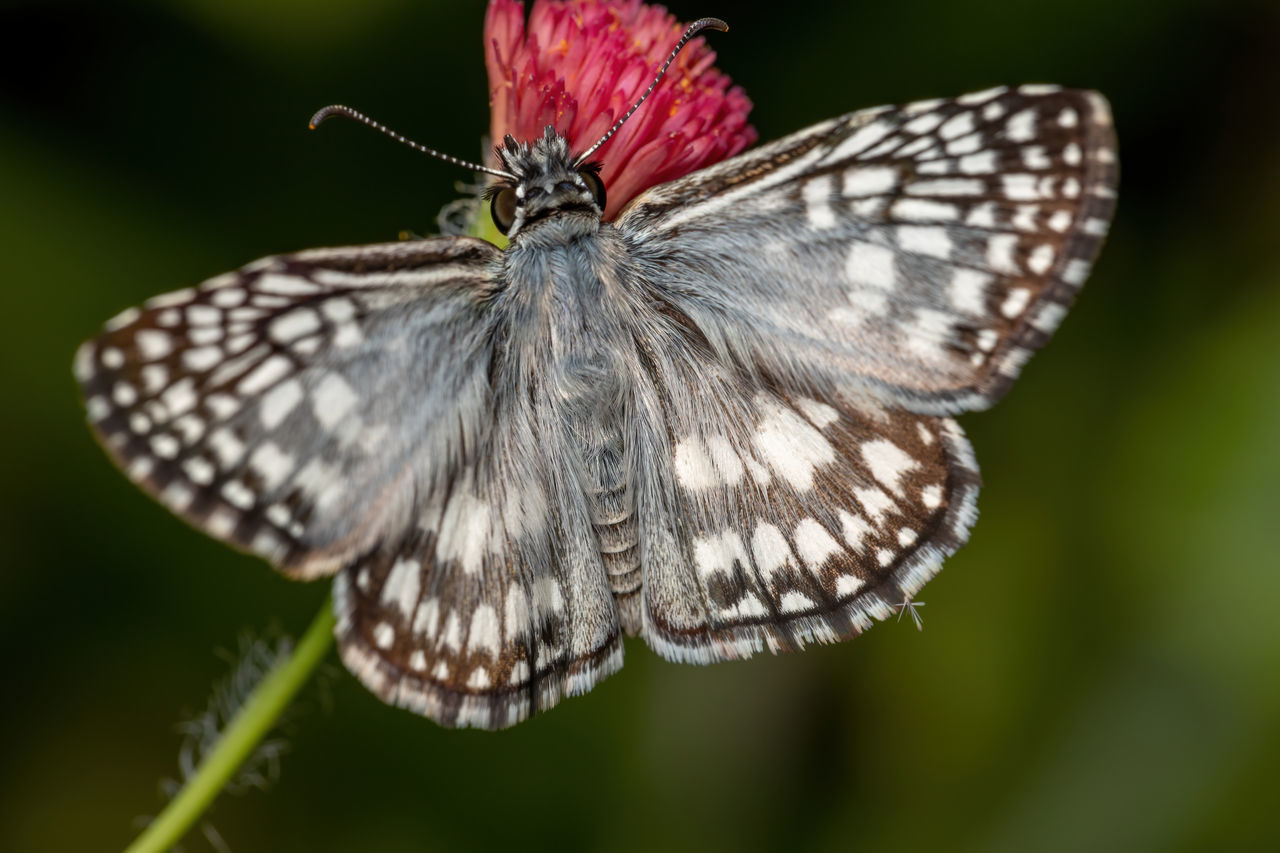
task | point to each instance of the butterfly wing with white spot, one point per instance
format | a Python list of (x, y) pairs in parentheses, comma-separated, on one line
[(926, 250), (267, 406), (492, 608), (333, 411), (516, 611), (777, 521)]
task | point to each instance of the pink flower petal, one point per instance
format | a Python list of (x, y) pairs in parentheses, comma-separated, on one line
[(580, 64)]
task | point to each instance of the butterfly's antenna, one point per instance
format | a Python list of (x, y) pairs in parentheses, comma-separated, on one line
[(347, 112), (694, 28)]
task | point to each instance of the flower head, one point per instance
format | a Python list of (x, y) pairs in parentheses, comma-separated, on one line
[(579, 65)]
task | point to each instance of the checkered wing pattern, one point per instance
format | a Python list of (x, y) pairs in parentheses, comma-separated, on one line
[(720, 422), (923, 251), (332, 412), (779, 520)]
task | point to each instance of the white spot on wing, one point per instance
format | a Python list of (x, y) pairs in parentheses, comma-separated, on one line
[(1016, 302), (859, 141), (713, 554), (153, 344), (791, 445), (125, 318), (795, 602), (925, 240), (201, 359), (1076, 272), (847, 585), (452, 634), (982, 97), (164, 446), (820, 414), (870, 264), (272, 464), (969, 291), (725, 459), (978, 163), (124, 394), (817, 201), (947, 187), (237, 494), (264, 375), (956, 126), (1000, 250), (464, 532), (853, 529), (770, 549), (693, 466), (1041, 259), (923, 123), (887, 462), (296, 324), (814, 544), (1020, 186), (332, 399), (924, 210), (484, 630), (154, 377), (515, 613), (226, 447), (285, 285), (279, 402), (1021, 127), (982, 216), (199, 470), (875, 503)]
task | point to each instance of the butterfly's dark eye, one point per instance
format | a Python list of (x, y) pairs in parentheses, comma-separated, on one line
[(503, 208), (593, 182)]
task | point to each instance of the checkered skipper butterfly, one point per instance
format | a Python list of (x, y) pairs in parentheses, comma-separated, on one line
[(720, 422)]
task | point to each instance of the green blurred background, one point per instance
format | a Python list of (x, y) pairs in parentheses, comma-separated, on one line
[(1100, 668)]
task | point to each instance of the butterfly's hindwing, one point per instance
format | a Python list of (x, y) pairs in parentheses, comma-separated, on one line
[(925, 251), (786, 520), (493, 607)]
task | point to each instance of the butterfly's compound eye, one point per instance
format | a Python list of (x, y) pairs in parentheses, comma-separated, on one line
[(503, 208), (593, 182)]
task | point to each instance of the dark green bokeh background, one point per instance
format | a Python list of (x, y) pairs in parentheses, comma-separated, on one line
[(1100, 668)]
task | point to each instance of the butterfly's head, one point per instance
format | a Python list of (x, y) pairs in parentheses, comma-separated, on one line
[(540, 180), (547, 182)]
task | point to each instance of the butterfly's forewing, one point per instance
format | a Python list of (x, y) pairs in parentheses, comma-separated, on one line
[(923, 252), (332, 410), (266, 405)]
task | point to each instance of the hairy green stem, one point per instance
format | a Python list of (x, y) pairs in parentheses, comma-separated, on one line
[(245, 731)]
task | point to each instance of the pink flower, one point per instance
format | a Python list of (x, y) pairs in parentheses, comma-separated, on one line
[(580, 64)]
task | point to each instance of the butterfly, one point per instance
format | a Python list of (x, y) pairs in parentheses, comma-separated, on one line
[(721, 422)]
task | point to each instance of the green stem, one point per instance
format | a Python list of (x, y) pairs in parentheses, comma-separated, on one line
[(246, 730)]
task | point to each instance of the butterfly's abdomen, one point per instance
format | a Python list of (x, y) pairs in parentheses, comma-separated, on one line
[(613, 517)]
